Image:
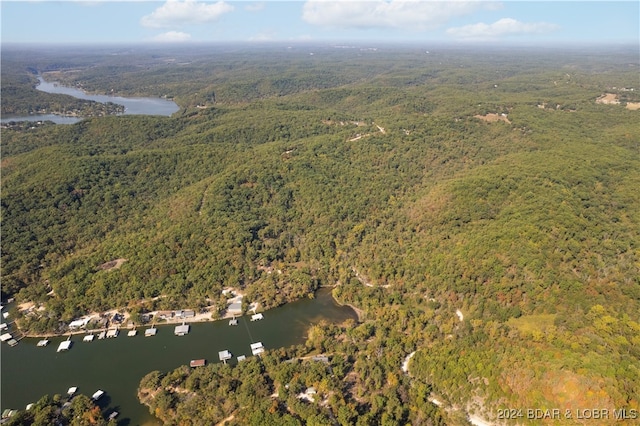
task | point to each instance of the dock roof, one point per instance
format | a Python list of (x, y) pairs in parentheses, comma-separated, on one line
[(181, 330), (257, 348), (64, 346), (197, 362)]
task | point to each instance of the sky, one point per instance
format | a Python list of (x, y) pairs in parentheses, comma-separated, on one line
[(458, 21)]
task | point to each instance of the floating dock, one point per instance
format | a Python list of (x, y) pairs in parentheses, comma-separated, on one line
[(257, 317), (97, 395), (102, 335), (241, 358), (113, 332), (224, 355), (257, 348), (233, 321), (150, 332), (5, 337), (42, 343), (132, 333), (72, 390), (197, 363), (88, 338), (181, 330), (64, 346)]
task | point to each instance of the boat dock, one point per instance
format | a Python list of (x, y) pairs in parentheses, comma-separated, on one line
[(182, 330), (88, 338), (97, 395), (72, 391), (132, 333), (224, 355), (102, 335), (197, 363), (42, 343), (64, 346), (150, 332), (257, 317), (233, 321), (112, 332), (257, 348)]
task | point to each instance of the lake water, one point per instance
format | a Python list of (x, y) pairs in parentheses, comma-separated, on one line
[(142, 106), (117, 365)]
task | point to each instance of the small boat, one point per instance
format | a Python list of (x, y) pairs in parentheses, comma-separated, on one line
[(97, 395), (42, 343)]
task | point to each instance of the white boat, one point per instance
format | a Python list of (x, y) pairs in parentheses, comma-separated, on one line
[(97, 395)]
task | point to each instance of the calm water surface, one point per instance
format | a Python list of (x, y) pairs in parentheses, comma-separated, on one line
[(117, 365)]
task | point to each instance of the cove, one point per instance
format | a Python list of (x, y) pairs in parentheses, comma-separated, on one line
[(140, 106), (117, 365)]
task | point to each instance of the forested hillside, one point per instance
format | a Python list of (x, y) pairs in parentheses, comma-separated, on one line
[(480, 208)]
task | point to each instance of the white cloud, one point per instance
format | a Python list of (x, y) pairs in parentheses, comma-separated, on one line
[(172, 36), (255, 7), (183, 12), (406, 14), (501, 28)]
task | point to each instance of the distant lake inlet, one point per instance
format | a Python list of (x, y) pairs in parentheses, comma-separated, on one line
[(132, 106)]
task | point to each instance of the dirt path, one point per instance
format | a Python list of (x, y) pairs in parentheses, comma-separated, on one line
[(405, 363)]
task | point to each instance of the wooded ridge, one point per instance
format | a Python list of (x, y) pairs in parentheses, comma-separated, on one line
[(486, 182)]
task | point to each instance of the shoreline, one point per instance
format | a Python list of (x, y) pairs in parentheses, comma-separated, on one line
[(198, 318), (359, 312)]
